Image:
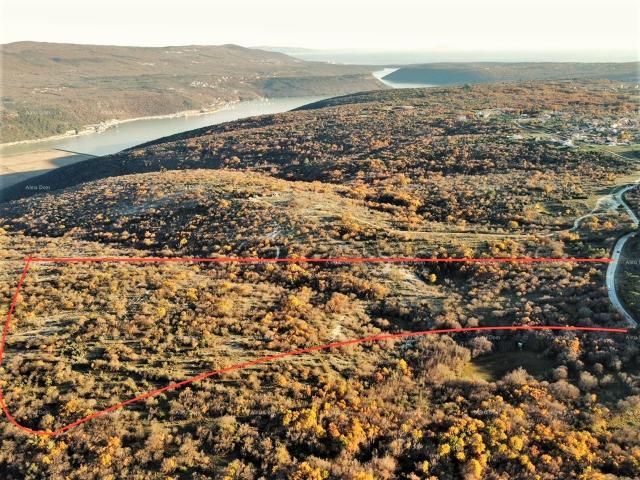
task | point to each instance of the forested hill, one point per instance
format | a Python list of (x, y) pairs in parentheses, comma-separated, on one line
[(490, 72), (50, 88)]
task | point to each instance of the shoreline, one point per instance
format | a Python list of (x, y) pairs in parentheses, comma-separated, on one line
[(106, 125)]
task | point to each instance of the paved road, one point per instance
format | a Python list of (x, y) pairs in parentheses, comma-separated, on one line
[(612, 202), (620, 200), (611, 280), (615, 255)]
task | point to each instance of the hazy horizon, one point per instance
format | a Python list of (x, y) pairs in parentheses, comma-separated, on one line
[(412, 56), (386, 57), (411, 25)]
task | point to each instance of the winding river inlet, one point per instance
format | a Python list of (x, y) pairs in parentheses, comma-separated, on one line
[(22, 161), (127, 134)]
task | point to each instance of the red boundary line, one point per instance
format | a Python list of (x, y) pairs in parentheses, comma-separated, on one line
[(258, 260), (268, 358)]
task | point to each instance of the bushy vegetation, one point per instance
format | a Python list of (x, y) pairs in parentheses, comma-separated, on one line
[(87, 336), (430, 156), (382, 174)]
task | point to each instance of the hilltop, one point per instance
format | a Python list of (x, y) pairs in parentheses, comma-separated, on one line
[(51, 88), (492, 72)]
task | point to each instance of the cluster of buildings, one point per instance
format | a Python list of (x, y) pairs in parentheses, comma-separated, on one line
[(569, 130)]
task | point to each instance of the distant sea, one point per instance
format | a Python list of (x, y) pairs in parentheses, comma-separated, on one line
[(404, 57)]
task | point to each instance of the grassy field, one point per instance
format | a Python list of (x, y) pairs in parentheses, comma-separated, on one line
[(494, 366)]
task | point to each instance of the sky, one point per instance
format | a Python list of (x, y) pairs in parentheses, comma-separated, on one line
[(331, 24)]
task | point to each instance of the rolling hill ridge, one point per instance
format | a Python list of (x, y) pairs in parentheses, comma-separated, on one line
[(51, 88), (492, 72)]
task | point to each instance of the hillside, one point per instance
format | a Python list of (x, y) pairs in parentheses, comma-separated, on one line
[(52, 88), (491, 72), (481, 171), (467, 153)]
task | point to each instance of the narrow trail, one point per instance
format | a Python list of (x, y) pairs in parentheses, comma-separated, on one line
[(610, 203)]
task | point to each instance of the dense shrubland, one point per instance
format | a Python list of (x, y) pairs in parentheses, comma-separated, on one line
[(379, 174)]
